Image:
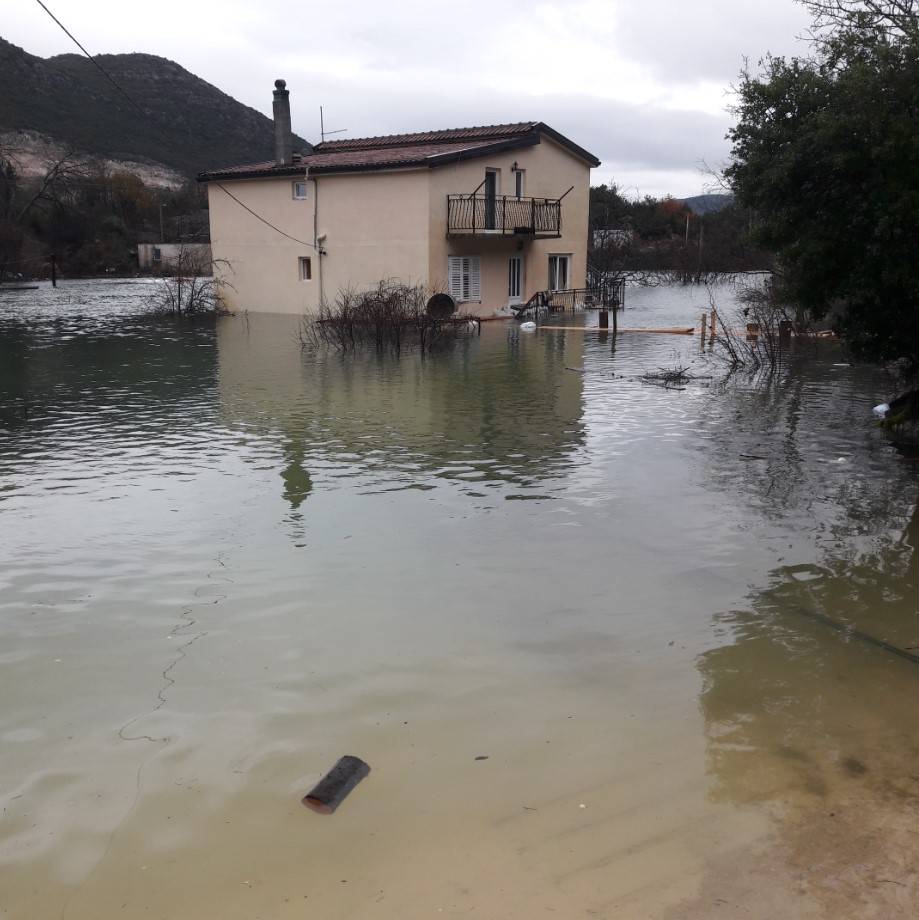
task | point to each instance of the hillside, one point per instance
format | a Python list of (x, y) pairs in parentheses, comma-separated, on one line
[(187, 125), (708, 204)]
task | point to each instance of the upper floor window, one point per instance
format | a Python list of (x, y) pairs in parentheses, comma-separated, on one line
[(306, 268), (299, 190)]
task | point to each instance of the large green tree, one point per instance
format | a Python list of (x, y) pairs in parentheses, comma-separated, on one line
[(826, 153)]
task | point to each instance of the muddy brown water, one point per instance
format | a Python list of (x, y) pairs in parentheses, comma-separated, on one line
[(226, 563)]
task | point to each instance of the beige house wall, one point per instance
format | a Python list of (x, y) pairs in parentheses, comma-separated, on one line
[(388, 225), (550, 171), (375, 227), (262, 268)]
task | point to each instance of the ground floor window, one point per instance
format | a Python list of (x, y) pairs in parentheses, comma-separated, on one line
[(464, 278), (514, 278), (559, 272), (306, 268)]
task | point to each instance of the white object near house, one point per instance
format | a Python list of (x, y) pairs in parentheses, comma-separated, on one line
[(157, 256), (488, 214), (881, 410), (528, 326)]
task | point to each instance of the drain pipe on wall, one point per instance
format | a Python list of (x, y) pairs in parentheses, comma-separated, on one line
[(317, 240)]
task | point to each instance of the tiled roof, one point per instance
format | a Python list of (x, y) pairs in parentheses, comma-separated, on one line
[(395, 151), (483, 132)]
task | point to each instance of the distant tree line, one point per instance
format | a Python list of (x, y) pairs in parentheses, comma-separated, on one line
[(88, 218), (663, 237)]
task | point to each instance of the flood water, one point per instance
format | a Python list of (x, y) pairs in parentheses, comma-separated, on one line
[(681, 625)]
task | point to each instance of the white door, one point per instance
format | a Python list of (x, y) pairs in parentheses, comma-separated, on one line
[(515, 279)]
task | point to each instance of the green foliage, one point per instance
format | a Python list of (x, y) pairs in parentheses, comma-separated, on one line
[(664, 236), (826, 152)]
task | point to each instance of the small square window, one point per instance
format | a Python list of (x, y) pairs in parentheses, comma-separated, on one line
[(299, 190), (306, 268)]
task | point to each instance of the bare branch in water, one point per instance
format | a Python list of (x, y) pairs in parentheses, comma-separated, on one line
[(391, 315)]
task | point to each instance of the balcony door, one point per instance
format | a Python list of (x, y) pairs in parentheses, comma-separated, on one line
[(491, 199), (515, 279), (559, 271)]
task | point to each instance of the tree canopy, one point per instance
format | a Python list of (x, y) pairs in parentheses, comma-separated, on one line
[(826, 154)]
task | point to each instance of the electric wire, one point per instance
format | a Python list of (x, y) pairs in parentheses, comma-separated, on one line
[(124, 93), (262, 219), (102, 70)]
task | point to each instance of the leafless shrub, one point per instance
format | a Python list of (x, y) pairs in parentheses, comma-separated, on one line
[(389, 316), (756, 337), (193, 289), (675, 376)]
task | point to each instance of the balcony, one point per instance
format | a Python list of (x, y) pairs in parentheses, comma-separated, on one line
[(503, 215)]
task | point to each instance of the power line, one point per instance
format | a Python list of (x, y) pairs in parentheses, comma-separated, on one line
[(262, 219), (124, 93), (102, 70)]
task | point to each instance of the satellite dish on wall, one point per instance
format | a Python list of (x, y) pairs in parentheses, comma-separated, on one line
[(441, 306)]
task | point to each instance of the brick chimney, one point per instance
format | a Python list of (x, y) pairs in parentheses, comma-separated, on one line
[(283, 139)]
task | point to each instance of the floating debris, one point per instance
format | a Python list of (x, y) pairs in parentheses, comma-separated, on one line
[(336, 785)]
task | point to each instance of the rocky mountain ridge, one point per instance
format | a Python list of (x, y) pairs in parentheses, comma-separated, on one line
[(183, 124)]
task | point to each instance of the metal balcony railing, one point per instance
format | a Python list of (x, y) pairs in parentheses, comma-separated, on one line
[(503, 215), (609, 295)]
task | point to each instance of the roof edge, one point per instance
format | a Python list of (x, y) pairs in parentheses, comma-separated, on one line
[(413, 138), (215, 175), (529, 138), (439, 159), (574, 148)]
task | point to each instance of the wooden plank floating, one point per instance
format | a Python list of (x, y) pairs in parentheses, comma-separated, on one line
[(691, 330), (335, 786)]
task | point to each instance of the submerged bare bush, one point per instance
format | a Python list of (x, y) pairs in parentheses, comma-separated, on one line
[(389, 316), (193, 288), (757, 336)]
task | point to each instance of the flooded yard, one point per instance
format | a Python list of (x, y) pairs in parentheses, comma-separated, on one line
[(611, 650)]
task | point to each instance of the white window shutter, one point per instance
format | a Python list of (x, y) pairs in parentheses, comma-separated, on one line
[(464, 278), (455, 277), (475, 278)]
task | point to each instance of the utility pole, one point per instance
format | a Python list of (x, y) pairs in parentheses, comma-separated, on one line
[(162, 236), (53, 270), (686, 244)]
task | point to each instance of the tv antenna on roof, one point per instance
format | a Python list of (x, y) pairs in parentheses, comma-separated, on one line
[(322, 129)]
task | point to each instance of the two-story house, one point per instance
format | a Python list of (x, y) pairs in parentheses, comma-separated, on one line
[(489, 214)]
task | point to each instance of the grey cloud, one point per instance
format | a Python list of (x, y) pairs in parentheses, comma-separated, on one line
[(422, 64)]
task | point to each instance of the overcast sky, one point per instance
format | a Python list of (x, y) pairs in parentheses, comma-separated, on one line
[(643, 85)]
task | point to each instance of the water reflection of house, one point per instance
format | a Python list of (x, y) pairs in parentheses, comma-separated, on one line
[(494, 406), (490, 214)]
